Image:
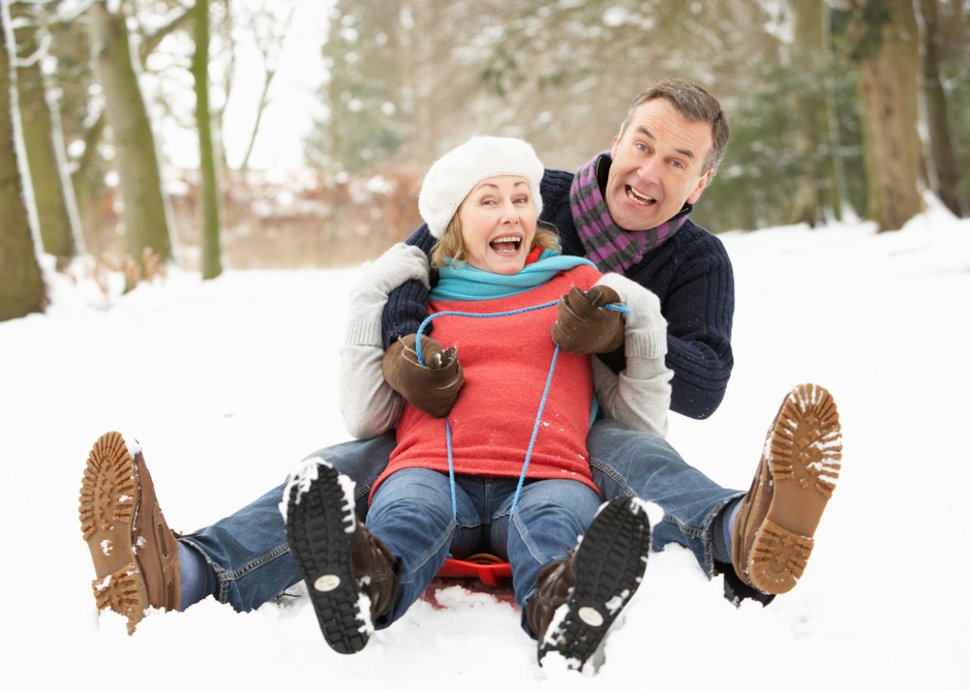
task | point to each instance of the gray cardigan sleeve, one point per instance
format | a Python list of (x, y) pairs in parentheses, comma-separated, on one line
[(640, 394), (369, 406)]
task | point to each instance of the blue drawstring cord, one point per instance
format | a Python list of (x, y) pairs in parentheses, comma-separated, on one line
[(542, 402), (535, 430), (474, 315)]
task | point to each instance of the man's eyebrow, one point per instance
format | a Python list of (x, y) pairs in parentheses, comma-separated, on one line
[(687, 153)]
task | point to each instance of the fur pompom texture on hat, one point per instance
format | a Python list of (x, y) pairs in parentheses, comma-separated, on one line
[(455, 174)]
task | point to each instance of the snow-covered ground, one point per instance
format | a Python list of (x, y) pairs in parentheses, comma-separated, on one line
[(227, 384)]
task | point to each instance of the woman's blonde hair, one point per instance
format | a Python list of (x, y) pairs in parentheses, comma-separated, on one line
[(452, 246)]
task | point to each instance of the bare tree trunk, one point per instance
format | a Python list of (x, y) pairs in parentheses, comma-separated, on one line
[(21, 281), (888, 76), (211, 246), (145, 213), (260, 110), (840, 189), (943, 158), (57, 212), (809, 111), (87, 175), (87, 181)]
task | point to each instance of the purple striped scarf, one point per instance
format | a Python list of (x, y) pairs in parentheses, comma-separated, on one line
[(607, 245)]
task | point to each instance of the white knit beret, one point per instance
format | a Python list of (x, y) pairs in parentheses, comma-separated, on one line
[(452, 177)]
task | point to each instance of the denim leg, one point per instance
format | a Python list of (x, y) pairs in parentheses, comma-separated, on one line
[(550, 516), (411, 513), (628, 462), (248, 549)]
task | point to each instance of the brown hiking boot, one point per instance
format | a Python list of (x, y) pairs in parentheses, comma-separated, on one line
[(134, 552), (775, 526), (338, 557), (590, 588), (553, 583)]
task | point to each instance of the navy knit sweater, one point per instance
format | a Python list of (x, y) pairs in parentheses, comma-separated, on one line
[(690, 273)]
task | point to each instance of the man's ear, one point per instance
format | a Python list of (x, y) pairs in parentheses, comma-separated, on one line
[(701, 186), (613, 148)]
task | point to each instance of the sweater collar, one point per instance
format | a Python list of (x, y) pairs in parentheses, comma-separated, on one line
[(467, 283)]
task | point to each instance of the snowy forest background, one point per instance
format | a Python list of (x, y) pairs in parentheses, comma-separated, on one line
[(258, 134)]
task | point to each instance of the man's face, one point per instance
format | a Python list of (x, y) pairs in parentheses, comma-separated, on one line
[(657, 165)]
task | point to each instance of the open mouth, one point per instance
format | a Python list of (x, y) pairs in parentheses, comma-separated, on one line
[(506, 246), (638, 198)]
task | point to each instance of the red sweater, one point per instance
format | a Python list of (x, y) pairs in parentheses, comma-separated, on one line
[(506, 363)]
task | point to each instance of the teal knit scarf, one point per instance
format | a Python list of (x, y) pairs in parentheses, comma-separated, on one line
[(467, 283)]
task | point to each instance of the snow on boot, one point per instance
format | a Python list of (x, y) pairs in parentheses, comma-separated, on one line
[(577, 599), (802, 457), (135, 554), (350, 574)]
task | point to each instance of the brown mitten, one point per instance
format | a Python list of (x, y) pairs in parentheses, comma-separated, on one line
[(431, 387), (584, 327)]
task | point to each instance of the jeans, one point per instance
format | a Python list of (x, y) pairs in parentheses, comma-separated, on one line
[(252, 561), (627, 462), (412, 514), (248, 549)]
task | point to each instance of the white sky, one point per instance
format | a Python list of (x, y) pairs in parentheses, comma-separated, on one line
[(295, 94), (294, 98)]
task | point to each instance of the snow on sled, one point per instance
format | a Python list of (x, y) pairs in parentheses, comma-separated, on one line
[(481, 572)]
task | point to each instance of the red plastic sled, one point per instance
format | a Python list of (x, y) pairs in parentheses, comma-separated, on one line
[(490, 570)]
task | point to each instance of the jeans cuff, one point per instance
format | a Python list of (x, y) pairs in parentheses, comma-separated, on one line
[(707, 540)]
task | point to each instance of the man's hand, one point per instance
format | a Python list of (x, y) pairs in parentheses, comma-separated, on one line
[(584, 327), (431, 387)]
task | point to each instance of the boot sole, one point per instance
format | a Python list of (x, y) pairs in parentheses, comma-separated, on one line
[(108, 510), (609, 567), (320, 528), (803, 453)]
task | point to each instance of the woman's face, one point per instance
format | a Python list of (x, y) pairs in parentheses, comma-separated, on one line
[(498, 224)]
